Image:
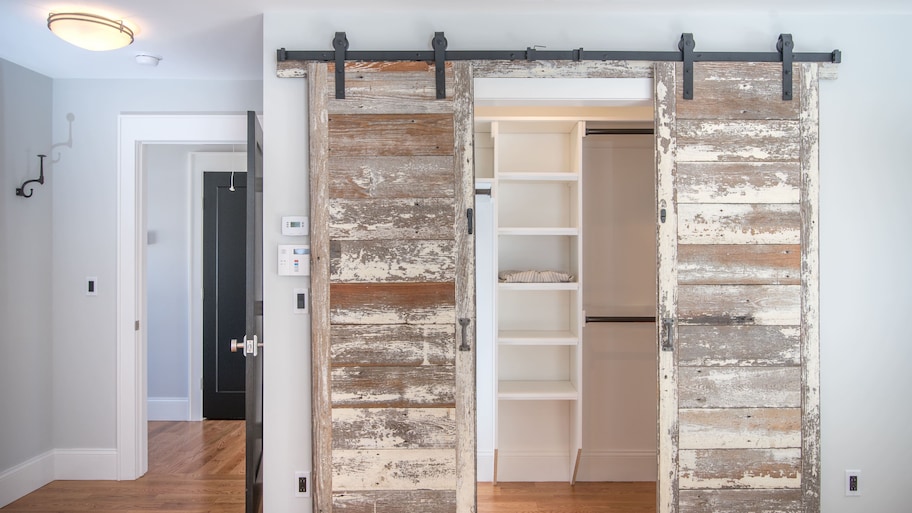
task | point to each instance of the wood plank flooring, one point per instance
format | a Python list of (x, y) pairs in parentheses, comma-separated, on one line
[(198, 467)]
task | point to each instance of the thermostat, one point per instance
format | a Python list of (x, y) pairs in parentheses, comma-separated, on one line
[(294, 225), (294, 260)]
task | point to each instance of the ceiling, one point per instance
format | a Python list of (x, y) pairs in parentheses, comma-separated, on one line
[(223, 39)]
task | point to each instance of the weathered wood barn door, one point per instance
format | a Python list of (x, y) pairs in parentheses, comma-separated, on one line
[(393, 289), (738, 376)]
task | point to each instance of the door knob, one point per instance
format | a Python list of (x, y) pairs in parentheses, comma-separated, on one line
[(248, 346)]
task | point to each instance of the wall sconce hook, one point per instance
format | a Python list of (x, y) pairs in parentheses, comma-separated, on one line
[(20, 191)]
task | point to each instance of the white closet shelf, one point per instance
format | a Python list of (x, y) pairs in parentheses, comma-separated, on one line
[(536, 391), (539, 286), (537, 338), (534, 176), (538, 230)]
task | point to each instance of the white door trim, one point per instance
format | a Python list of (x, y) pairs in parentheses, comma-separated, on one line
[(135, 130)]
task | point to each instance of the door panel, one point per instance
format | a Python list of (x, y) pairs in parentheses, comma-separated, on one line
[(254, 316), (737, 173), (392, 273), (224, 264)]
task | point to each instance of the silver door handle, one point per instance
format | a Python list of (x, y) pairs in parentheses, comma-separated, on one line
[(247, 346)]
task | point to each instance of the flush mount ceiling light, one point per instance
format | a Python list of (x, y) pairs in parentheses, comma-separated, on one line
[(90, 31)]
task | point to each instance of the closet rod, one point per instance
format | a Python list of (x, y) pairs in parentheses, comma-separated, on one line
[(619, 131), (618, 319)]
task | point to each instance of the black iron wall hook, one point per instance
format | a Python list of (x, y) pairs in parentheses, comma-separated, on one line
[(20, 191)]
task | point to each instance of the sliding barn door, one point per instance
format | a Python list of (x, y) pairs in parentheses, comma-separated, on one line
[(738, 369), (393, 289)]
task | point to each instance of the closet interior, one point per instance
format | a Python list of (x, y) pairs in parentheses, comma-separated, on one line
[(566, 287)]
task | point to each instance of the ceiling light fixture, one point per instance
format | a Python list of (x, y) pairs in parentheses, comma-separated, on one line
[(90, 31)]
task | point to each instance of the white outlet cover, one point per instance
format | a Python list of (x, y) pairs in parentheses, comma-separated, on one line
[(848, 475), (306, 475)]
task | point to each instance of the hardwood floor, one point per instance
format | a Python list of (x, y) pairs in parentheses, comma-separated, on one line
[(197, 467), (563, 498), (194, 467)]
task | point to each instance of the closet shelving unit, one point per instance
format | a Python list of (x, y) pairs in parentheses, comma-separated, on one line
[(537, 188)]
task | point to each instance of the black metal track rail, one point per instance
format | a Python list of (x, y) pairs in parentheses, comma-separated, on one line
[(340, 54)]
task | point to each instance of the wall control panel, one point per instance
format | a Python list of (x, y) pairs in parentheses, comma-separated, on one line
[(294, 260), (295, 226)]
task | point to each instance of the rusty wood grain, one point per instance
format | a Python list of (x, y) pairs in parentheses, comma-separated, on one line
[(740, 468), (392, 344), (391, 177), (395, 501), (353, 135), (392, 261), (392, 303), (740, 428), (739, 224), (748, 91), (739, 304), (418, 218), (394, 428), (394, 469), (667, 286), (739, 264), (737, 141), (715, 346), (740, 387), (319, 245), (738, 182), (393, 387), (742, 501), (810, 284)]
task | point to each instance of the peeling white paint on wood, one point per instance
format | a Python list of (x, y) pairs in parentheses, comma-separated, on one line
[(393, 387), (392, 261), (750, 90), (562, 69), (394, 469), (739, 224), (739, 304), (740, 468), (742, 501), (418, 218), (391, 177), (741, 387), (395, 501), (739, 264), (727, 141), (740, 428), (738, 182), (392, 344), (394, 428), (741, 346)]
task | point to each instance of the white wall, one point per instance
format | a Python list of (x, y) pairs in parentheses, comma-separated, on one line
[(84, 228), (25, 281), (865, 279)]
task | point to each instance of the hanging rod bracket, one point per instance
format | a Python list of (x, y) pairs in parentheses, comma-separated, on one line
[(785, 47), (340, 44), (686, 45), (20, 191), (440, 43)]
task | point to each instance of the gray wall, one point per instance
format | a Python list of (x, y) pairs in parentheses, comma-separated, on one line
[(25, 266)]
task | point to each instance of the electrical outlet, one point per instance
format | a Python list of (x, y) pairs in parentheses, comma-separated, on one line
[(853, 483), (302, 483)]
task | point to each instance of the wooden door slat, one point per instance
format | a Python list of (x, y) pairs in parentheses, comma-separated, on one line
[(394, 428), (739, 304), (392, 261), (395, 501), (740, 468), (739, 224), (751, 90), (716, 346), (392, 303), (740, 428), (739, 264), (742, 501), (739, 387), (418, 218), (391, 177), (392, 344), (393, 387), (738, 182), (726, 141), (390, 134), (394, 469)]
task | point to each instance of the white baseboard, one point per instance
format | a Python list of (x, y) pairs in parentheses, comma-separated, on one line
[(85, 464), (545, 467), (169, 408), (618, 466), (26, 477)]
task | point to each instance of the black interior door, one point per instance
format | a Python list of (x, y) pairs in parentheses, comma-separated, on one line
[(224, 290), (254, 315)]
